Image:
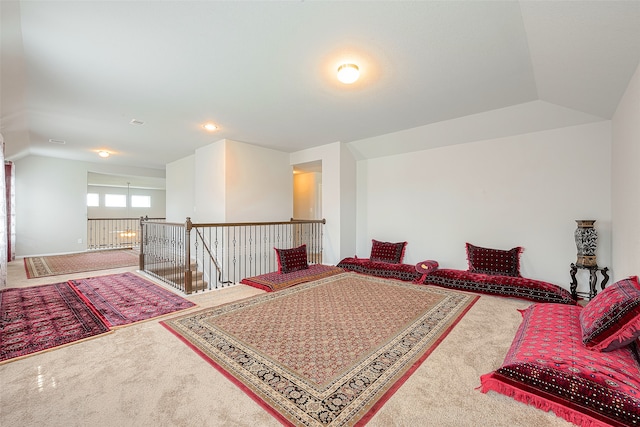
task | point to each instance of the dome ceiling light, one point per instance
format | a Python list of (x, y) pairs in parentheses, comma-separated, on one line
[(348, 73)]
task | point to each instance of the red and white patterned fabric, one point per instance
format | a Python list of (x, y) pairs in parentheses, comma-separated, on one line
[(405, 272), (293, 259), (494, 261), (392, 253), (612, 319), (506, 286), (277, 281), (548, 367)]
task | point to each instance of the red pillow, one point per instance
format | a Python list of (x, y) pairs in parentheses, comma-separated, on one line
[(293, 259), (611, 320), (391, 253), (494, 261)]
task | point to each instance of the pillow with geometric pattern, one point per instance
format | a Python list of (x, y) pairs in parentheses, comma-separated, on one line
[(494, 261), (293, 259), (611, 319), (391, 253)]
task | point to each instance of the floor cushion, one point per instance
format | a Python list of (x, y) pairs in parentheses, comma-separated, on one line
[(549, 367), (506, 286)]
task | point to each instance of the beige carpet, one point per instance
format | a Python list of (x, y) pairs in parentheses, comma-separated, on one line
[(142, 376)]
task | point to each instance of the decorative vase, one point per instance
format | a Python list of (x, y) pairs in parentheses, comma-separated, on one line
[(586, 241)]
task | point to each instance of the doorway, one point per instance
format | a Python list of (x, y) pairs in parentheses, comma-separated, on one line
[(307, 190)]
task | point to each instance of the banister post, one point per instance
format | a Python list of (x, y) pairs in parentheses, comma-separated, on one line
[(187, 254), (141, 254)]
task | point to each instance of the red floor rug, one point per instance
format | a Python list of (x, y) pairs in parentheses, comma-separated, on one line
[(328, 352), (277, 281), (127, 298), (44, 317), (43, 266)]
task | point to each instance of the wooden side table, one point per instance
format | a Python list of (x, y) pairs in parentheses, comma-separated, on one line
[(593, 279)]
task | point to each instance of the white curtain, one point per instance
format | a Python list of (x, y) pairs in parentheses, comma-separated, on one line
[(3, 220)]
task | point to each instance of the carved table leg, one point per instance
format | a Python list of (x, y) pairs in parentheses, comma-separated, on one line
[(593, 279), (605, 278), (574, 282)]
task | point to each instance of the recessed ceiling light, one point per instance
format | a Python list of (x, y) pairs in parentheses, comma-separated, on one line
[(136, 122), (57, 141), (210, 126), (348, 73), (104, 154)]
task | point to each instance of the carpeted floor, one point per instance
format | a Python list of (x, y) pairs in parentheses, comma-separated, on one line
[(329, 352), (143, 376), (54, 265)]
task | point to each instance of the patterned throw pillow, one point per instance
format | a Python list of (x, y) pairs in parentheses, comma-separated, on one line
[(392, 253), (611, 319), (494, 261), (293, 259)]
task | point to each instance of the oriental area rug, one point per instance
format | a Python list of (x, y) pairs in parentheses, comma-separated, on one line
[(43, 266), (127, 298), (325, 353), (40, 318)]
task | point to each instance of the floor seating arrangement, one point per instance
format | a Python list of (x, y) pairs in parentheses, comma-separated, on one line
[(497, 272), (384, 261), (276, 281), (581, 363), (293, 269)]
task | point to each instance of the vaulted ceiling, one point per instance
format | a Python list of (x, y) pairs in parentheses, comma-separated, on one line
[(264, 72)]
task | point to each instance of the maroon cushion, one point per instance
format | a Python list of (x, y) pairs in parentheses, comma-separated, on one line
[(612, 319), (406, 272), (507, 286), (494, 261), (293, 259), (426, 267), (548, 366), (387, 252)]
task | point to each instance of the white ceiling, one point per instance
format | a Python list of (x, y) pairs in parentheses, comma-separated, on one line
[(265, 71)]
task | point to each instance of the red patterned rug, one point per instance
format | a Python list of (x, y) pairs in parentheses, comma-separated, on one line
[(43, 317), (127, 298), (328, 352), (43, 266), (277, 281)]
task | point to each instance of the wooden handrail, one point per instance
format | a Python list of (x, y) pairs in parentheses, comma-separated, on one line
[(239, 224)]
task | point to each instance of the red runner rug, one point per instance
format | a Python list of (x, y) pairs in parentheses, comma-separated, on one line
[(127, 298), (43, 317), (328, 352), (55, 265), (277, 281)]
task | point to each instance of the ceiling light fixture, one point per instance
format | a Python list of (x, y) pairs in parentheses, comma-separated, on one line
[(348, 73), (103, 154), (210, 126)]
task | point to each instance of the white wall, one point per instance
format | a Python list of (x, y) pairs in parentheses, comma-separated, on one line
[(259, 184), (180, 189), (232, 182), (524, 190), (625, 180), (51, 202), (209, 183)]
